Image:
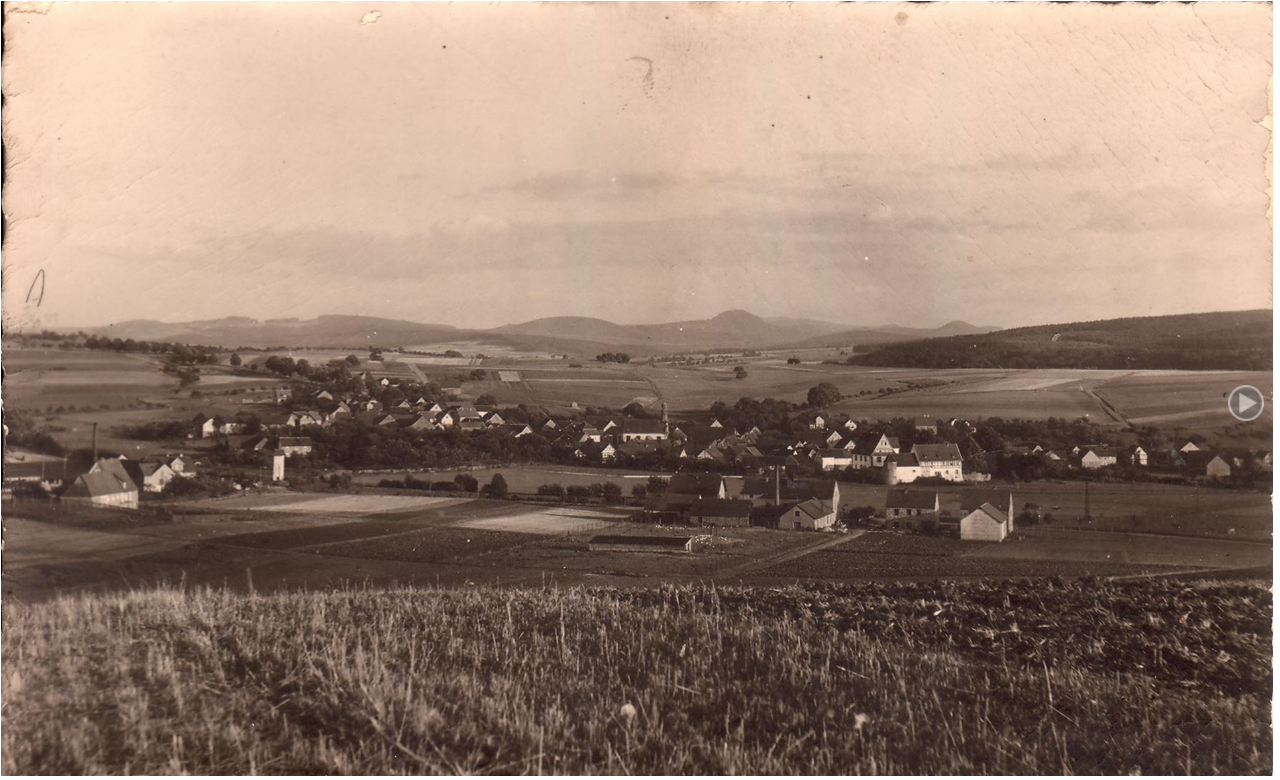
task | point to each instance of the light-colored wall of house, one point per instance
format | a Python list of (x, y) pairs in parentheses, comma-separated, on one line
[(977, 526)]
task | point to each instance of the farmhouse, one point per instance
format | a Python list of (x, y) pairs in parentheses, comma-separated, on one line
[(872, 450), (102, 489), (811, 515), (1207, 464), (699, 485), (1097, 457), (910, 503), (984, 524), (304, 417), (830, 460), (1189, 447), (624, 543), (1000, 499), (940, 460), (155, 475), (721, 512)]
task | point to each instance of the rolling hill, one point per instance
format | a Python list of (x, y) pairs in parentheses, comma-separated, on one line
[(585, 336), (1237, 340)]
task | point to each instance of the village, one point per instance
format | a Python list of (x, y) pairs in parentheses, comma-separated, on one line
[(790, 458)]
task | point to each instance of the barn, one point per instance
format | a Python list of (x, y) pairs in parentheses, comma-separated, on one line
[(984, 524)]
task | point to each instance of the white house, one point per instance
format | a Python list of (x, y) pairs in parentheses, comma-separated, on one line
[(940, 460)]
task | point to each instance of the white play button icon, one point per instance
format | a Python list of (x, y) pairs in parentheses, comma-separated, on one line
[(1245, 403)]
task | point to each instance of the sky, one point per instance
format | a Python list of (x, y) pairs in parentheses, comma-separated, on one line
[(478, 165)]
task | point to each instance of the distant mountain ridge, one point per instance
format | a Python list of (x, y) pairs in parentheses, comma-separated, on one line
[(730, 330), (1226, 341)]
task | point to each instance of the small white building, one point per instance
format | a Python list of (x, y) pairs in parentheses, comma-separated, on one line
[(984, 524)]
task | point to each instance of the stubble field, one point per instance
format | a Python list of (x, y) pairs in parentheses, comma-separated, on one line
[(1084, 678)]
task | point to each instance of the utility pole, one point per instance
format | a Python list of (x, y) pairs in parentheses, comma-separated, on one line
[(1088, 509)]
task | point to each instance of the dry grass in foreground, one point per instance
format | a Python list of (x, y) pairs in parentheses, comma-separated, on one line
[(928, 678)]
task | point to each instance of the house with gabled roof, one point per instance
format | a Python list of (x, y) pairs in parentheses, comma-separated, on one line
[(910, 503), (940, 460), (1097, 457), (700, 485), (726, 512), (101, 488), (872, 449), (986, 523), (1207, 464)]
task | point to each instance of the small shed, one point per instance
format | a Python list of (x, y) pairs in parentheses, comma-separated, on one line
[(984, 524)]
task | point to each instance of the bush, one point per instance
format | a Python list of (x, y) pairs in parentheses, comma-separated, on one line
[(467, 483), (497, 487), (444, 486), (554, 489)]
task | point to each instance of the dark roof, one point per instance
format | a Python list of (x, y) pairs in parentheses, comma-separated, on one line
[(721, 507), (992, 512), (125, 470), (911, 499), (905, 459), (946, 451), (814, 508), (695, 484), (973, 499), (98, 483), (663, 542), (643, 426)]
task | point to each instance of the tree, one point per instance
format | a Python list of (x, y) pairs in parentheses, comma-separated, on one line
[(824, 394), (235, 359), (487, 399), (793, 361), (497, 486), (467, 483), (612, 492), (479, 374), (352, 360), (739, 372)]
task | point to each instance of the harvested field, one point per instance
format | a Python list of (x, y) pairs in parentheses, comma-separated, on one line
[(356, 504), (306, 536), (883, 555), (549, 522), (1134, 678), (428, 545)]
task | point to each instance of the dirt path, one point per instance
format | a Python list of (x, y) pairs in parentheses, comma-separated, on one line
[(824, 543)]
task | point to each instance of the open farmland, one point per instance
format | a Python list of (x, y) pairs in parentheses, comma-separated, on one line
[(1178, 509), (1188, 399), (1132, 678), (897, 556)]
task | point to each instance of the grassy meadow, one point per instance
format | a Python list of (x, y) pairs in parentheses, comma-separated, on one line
[(1141, 677)]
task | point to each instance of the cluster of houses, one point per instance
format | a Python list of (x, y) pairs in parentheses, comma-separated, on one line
[(973, 515), (840, 446), (700, 499), (119, 481), (325, 409), (1189, 457)]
